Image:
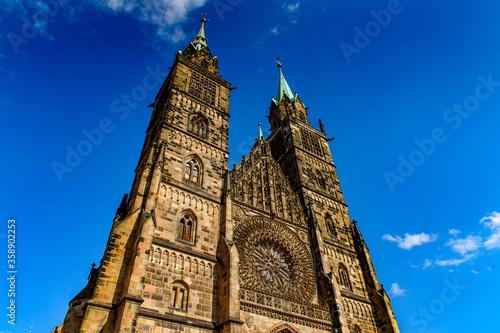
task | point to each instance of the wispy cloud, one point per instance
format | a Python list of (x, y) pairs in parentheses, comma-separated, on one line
[(492, 222), (454, 232), (427, 263), (396, 290), (475, 272), (292, 7), (455, 262), (165, 15), (465, 245), (275, 31), (409, 241), (470, 246)]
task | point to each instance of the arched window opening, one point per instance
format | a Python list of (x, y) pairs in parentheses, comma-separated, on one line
[(192, 171), (198, 125), (344, 278), (356, 329), (320, 180), (330, 225), (186, 229), (180, 293)]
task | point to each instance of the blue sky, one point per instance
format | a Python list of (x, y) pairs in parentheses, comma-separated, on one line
[(410, 90)]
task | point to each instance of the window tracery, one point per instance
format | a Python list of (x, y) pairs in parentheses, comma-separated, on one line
[(344, 277), (187, 227), (320, 180), (198, 125), (330, 225), (192, 171)]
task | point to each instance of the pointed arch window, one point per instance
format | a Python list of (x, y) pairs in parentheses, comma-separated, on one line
[(320, 180), (198, 125), (186, 229), (192, 171), (344, 277), (180, 295), (330, 225)]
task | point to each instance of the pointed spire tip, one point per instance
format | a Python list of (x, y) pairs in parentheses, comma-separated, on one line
[(261, 136)]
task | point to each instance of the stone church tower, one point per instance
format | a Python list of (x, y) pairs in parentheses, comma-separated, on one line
[(265, 247)]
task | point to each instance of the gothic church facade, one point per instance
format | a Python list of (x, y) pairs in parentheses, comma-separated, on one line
[(265, 247)]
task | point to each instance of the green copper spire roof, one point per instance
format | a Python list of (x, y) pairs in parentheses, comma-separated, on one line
[(283, 88), (200, 41), (261, 136)]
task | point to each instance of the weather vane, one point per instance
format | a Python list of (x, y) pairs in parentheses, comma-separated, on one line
[(204, 19), (279, 63)]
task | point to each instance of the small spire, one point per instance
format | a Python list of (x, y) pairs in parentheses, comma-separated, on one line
[(200, 40), (283, 87), (261, 136), (201, 33), (321, 127)]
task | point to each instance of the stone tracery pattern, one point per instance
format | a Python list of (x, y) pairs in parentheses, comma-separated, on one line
[(274, 260), (272, 263), (258, 182)]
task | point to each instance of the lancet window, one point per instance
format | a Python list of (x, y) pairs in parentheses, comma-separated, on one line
[(198, 125), (186, 229), (192, 171)]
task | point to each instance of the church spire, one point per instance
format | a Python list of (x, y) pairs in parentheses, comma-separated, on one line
[(283, 88), (200, 41), (198, 52), (261, 136)]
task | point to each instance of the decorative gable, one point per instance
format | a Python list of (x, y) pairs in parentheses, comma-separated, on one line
[(259, 183)]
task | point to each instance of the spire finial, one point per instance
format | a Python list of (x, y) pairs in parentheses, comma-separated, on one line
[(279, 63), (261, 136), (203, 19)]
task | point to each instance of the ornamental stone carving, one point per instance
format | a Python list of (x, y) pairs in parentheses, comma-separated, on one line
[(274, 260)]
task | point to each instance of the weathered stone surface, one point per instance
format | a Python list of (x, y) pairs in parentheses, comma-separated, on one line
[(265, 247)]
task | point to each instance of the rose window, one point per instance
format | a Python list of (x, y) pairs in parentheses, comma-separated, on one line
[(274, 260), (272, 263)]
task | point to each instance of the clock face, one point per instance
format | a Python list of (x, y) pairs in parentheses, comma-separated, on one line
[(274, 260)]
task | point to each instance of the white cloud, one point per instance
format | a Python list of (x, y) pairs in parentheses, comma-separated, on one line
[(396, 290), (410, 241), (475, 272), (465, 245), (292, 7), (454, 262), (275, 31), (427, 263), (492, 222), (489, 268), (454, 232), (163, 14)]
